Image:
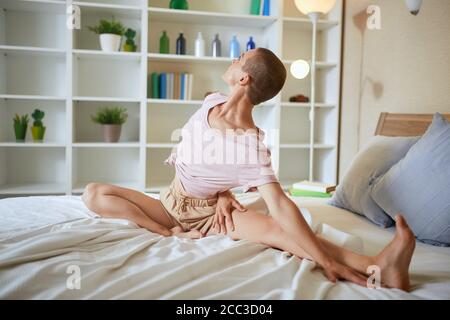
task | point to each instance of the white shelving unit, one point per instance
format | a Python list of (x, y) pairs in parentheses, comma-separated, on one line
[(45, 65)]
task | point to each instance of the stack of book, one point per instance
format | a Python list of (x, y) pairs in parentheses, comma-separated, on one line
[(312, 189), (167, 85)]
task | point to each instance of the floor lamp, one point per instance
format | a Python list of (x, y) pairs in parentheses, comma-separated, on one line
[(313, 9)]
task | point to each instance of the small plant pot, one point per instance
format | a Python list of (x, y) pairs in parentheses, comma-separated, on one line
[(111, 132), (38, 133), (20, 132), (110, 42)]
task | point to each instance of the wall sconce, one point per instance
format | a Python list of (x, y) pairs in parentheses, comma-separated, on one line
[(413, 6)]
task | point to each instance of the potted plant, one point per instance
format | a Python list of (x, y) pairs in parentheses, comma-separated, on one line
[(20, 127), (38, 129), (111, 119), (111, 33), (129, 45)]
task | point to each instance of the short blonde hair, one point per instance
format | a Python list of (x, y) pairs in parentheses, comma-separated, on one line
[(267, 74)]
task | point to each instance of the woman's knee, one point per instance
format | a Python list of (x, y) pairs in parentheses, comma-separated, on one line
[(91, 193)]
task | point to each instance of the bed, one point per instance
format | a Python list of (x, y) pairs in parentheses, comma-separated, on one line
[(53, 247)]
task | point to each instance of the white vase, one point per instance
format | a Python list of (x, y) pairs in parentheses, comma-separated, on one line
[(110, 42)]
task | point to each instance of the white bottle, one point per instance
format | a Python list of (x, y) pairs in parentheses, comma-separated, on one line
[(199, 46)]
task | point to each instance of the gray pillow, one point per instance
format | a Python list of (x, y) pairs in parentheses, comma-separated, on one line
[(418, 186), (353, 193)]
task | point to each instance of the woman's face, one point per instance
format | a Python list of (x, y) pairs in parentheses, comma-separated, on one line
[(234, 72)]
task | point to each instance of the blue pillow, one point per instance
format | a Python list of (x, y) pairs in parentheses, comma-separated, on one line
[(418, 186), (353, 192)]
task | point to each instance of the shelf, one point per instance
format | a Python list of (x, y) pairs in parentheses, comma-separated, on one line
[(31, 97), (101, 78), (294, 146), (106, 145), (161, 145), (117, 10), (86, 133), (65, 73), (47, 6), (33, 144), (24, 50), (323, 146), (114, 165), (32, 170), (38, 75), (158, 174), (171, 101), (296, 170), (105, 99), (32, 188), (319, 64), (209, 18), (159, 57), (306, 105), (305, 146), (306, 24), (97, 54)]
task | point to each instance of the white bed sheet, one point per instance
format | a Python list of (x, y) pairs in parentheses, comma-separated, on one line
[(40, 237)]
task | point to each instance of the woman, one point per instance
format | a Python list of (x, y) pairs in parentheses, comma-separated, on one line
[(198, 202)]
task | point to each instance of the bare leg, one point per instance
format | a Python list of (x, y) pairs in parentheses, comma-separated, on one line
[(112, 201), (257, 227)]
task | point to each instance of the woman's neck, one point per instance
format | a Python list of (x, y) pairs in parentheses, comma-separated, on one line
[(237, 110)]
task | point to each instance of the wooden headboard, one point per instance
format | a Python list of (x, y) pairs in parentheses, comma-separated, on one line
[(404, 125)]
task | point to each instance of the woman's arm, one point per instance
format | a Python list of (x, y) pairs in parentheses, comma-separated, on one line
[(290, 219)]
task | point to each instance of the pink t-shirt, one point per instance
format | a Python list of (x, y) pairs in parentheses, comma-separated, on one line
[(208, 161)]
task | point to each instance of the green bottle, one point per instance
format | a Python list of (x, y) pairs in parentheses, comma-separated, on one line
[(255, 7), (164, 43), (179, 4)]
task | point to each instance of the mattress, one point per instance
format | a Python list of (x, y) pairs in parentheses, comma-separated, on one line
[(53, 247)]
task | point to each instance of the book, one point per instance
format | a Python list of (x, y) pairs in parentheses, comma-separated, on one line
[(155, 86), (191, 84), (162, 86), (314, 186), (308, 193), (186, 86), (176, 85), (182, 83), (170, 86)]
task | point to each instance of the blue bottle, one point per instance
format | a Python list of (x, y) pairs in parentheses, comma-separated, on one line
[(181, 44), (266, 8), (250, 44), (235, 50)]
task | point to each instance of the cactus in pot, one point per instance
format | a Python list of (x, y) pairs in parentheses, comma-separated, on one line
[(20, 127), (38, 129), (130, 45)]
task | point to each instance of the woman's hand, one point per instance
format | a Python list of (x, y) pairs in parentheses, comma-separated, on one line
[(335, 271), (223, 220)]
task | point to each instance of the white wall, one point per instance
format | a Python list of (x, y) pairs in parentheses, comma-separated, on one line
[(404, 67)]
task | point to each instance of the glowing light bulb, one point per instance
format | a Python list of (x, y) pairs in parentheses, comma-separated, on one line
[(314, 6), (300, 69)]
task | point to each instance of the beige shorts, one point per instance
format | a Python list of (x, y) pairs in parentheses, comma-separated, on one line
[(187, 212)]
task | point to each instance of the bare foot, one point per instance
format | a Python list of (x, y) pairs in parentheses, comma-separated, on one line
[(395, 258), (191, 234)]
